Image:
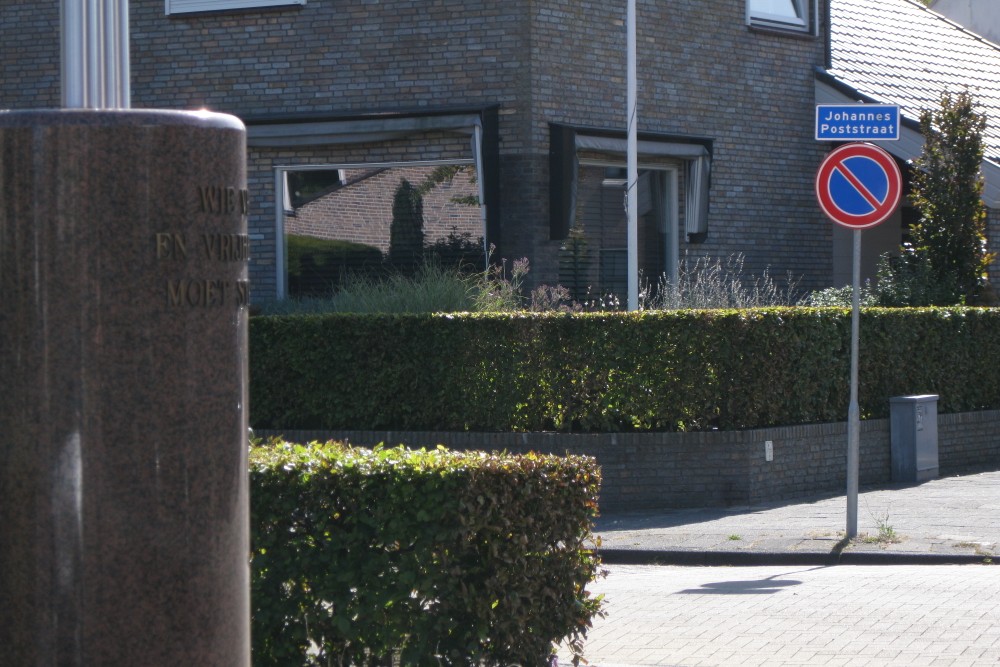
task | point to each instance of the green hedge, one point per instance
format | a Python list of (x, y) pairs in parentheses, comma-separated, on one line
[(431, 557), (673, 370)]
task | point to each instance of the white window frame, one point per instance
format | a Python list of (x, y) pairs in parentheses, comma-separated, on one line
[(199, 6), (804, 22)]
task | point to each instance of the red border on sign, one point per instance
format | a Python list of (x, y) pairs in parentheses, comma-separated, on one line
[(834, 161)]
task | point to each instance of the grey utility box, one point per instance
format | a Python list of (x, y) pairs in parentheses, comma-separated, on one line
[(914, 437)]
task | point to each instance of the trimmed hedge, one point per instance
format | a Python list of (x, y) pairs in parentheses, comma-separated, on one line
[(666, 370), (431, 557)]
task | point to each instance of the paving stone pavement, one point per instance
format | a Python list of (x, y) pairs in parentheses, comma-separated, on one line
[(948, 520), (792, 615), (917, 587)]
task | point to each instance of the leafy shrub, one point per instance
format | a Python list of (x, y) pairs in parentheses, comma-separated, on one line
[(659, 370), (458, 250), (949, 240), (901, 282), (841, 297), (432, 289), (428, 557), (496, 292), (439, 286), (406, 231), (910, 281)]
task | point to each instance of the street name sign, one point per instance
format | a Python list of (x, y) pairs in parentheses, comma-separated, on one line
[(859, 185), (857, 122)]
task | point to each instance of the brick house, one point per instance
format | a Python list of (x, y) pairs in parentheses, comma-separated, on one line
[(527, 99)]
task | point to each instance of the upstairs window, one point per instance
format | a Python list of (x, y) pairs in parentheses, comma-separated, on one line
[(198, 6), (781, 14)]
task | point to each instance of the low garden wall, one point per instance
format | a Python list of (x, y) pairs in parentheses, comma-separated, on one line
[(715, 468)]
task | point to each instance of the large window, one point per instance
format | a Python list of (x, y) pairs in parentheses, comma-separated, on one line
[(369, 196), (195, 6), (344, 222), (783, 14)]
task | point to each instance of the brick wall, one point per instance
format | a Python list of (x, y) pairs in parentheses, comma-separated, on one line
[(29, 51), (720, 468)]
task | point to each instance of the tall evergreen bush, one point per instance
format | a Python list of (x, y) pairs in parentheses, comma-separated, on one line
[(948, 253)]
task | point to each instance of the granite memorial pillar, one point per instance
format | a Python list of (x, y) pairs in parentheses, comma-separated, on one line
[(123, 389), (123, 473)]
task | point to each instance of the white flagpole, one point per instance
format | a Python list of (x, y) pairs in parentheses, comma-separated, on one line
[(632, 171), (74, 49), (94, 52)]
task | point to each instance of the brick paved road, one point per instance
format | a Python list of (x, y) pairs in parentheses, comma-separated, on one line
[(846, 615)]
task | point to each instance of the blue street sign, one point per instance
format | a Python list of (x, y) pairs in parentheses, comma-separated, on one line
[(857, 122)]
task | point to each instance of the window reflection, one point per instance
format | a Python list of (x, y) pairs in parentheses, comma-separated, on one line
[(369, 221)]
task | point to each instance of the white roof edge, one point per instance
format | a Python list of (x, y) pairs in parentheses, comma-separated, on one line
[(910, 144)]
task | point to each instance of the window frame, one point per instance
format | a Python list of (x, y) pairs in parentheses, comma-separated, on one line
[(177, 7), (281, 132), (805, 23)]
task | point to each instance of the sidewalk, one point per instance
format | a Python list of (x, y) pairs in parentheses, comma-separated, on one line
[(948, 520)]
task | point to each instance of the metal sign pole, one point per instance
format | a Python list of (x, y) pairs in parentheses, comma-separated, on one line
[(853, 410)]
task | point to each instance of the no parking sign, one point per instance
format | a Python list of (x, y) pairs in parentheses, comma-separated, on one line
[(859, 185)]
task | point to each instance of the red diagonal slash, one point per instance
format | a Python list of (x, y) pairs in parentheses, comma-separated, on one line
[(858, 185), (837, 161)]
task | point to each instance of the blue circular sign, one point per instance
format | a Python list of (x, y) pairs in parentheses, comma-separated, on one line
[(859, 185)]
